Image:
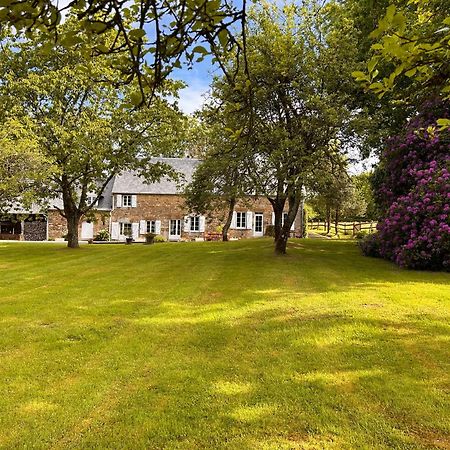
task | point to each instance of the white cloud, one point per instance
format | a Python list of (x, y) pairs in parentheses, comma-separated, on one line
[(193, 96), (62, 4)]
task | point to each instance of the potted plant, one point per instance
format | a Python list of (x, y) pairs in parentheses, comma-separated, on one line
[(150, 238), (128, 238)]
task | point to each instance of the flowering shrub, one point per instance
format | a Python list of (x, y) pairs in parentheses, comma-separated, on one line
[(415, 193), (370, 245)]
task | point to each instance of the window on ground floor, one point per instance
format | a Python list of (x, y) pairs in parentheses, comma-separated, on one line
[(241, 220), (125, 229), (151, 226), (195, 223)]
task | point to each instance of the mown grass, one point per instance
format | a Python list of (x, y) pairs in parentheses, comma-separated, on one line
[(213, 345)]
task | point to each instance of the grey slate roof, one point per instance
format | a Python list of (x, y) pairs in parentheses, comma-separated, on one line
[(104, 202), (129, 182), (17, 208)]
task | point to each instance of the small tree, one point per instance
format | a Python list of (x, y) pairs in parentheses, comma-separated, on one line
[(220, 180)]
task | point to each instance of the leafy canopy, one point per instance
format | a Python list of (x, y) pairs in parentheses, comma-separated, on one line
[(149, 38)]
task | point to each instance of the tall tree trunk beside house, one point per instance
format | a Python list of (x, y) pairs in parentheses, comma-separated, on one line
[(278, 207), (71, 210), (73, 221), (227, 223), (281, 243)]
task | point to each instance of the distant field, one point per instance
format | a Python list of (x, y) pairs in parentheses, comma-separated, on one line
[(221, 345)]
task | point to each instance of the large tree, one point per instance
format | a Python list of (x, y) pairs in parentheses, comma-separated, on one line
[(79, 122), (292, 106)]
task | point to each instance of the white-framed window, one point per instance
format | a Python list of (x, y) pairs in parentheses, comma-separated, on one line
[(195, 223), (90, 199), (127, 201), (151, 226), (284, 218), (126, 229), (241, 220)]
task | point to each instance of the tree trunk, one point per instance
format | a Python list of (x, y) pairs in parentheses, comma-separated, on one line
[(336, 221), (304, 227), (73, 221), (227, 224), (328, 218), (278, 207), (281, 242), (72, 211)]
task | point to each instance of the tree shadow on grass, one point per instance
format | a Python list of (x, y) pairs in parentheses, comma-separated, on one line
[(317, 380)]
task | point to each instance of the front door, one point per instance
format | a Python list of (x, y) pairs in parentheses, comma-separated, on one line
[(175, 230), (258, 228), (87, 230)]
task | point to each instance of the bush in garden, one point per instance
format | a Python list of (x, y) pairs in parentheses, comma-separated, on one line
[(361, 234), (270, 230), (370, 245), (415, 195), (102, 235)]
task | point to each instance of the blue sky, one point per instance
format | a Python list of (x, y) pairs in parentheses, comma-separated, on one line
[(198, 80)]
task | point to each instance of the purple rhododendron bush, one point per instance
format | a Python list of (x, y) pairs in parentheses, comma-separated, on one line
[(415, 195)]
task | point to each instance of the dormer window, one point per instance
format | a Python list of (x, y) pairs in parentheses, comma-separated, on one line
[(90, 200)]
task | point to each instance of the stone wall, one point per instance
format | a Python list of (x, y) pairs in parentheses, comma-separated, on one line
[(35, 230), (169, 207), (165, 208), (57, 225)]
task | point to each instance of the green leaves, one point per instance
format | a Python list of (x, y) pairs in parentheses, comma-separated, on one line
[(415, 45), (136, 34), (187, 33), (79, 114), (136, 98), (443, 124)]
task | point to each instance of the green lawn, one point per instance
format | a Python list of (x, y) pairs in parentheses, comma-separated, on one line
[(213, 345)]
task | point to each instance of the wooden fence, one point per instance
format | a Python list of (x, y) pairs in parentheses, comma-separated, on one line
[(344, 227)]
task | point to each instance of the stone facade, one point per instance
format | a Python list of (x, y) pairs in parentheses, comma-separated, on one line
[(35, 230), (165, 209), (168, 208), (57, 225), (131, 207)]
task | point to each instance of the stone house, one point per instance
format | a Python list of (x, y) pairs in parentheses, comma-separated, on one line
[(132, 207)]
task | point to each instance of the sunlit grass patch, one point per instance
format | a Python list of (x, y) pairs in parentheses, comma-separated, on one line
[(221, 345)]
